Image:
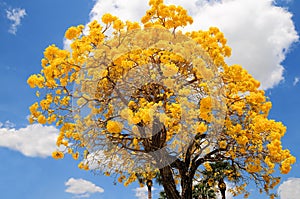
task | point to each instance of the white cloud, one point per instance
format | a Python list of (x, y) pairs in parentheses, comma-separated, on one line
[(289, 189), (15, 15), (82, 188), (259, 33), (142, 192), (127, 10), (33, 141), (296, 81)]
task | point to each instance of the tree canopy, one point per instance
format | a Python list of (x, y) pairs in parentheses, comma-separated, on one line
[(135, 99)]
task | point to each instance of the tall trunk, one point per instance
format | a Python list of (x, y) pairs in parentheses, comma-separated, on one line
[(149, 186), (169, 183), (187, 190)]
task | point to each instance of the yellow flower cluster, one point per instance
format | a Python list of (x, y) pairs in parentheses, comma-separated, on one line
[(223, 144), (83, 166), (201, 127), (108, 18), (36, 80), (58, 155), (114, 126), (41, 119), (207, 166), (170, 17), (74, 32), (285, 166), (214, 43), (205, 109), (130, 179)]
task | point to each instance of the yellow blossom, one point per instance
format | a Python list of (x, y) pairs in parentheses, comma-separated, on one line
[(108, 18), (207, 166), (58, 155), (201, 127), (73, 32), (42, 119), (210, 182), (75, 155), (36, 80), (114, 126), (223, 144)]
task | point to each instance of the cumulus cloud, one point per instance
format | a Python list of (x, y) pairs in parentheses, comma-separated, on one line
[(82, 188), (289, 189), (127, 10), (15, 15), (259, 32), (142, 192), (33, 141)]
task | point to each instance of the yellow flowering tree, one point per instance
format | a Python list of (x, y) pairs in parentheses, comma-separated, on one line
[(147, 98)]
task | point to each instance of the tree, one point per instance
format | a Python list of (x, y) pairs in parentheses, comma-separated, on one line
[(153, 97)]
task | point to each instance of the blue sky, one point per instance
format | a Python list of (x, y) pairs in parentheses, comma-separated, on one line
[(263, 37)]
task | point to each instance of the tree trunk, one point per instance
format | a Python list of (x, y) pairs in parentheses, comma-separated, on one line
[(149, 186), (169, 183), (187, 190)]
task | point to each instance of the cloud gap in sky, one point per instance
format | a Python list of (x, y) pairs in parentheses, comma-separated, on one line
[(15, 15), (259, 32)]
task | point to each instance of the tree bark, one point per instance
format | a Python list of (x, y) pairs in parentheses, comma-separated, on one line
[(169, 183), (187, 184)]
